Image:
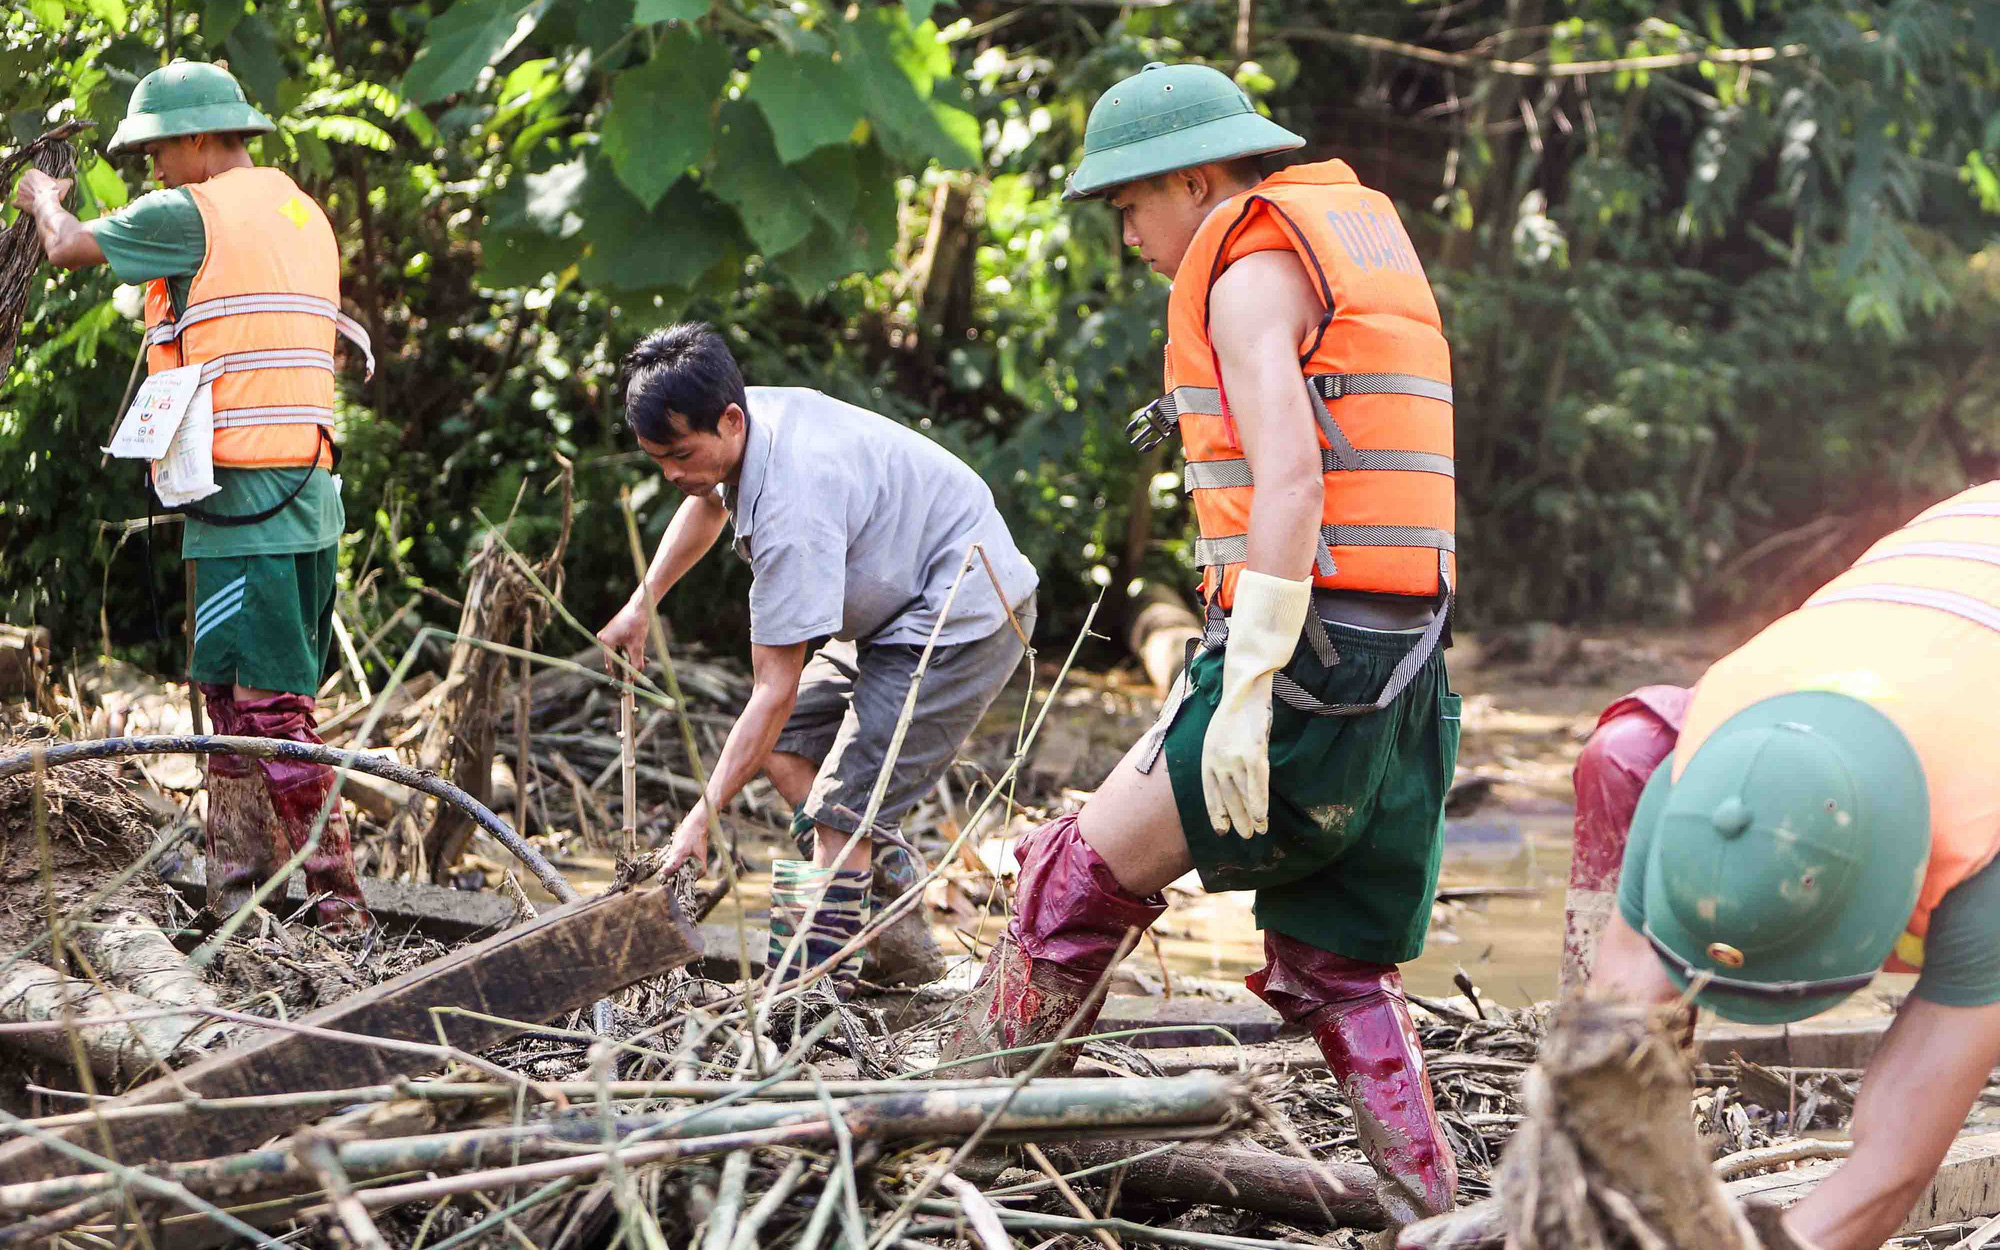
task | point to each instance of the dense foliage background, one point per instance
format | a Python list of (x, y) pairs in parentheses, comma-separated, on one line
[(1716, 273)]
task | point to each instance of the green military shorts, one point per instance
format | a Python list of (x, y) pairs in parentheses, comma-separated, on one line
[(1350, 861), (265, 622)]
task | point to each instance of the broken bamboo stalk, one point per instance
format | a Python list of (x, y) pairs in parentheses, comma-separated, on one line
[(116, 1048), (1164, 1105)]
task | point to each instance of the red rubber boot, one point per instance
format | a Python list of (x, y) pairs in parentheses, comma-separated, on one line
[(1358, 1016), (1070, 918), (241, 829), (298, 791)]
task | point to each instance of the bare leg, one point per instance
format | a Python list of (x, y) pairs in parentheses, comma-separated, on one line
[(792, 774), (1133, 824)]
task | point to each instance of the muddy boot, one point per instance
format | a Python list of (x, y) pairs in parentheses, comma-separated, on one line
[(298, 791), (1358, 1015), (906, 952), (241, 830), (795, 886), (1070, 917)]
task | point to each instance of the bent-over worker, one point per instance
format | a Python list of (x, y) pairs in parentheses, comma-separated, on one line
[(242, 277), (855, 528), (1824, 804), (1306, 751)]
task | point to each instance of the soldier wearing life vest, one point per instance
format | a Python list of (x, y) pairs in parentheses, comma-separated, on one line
[(1306, 750), (242, 277), (1823, 805)]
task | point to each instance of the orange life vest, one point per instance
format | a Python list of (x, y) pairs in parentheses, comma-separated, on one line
[(1908, 629), (1378, 369), (260, 320)]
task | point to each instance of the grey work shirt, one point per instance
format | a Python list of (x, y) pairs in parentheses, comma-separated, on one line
[(855, 527)]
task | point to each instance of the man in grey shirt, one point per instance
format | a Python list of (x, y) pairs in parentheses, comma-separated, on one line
[(855, 528)]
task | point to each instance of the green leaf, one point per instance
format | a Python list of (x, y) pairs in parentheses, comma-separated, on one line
[(254, 59), (747, 173), (646, 12), (110, 12), (465, 39), (810, 101), (514, 248), (633, 250), (601, 23), (919, 10), (894, 103), (859, 242), (50, 13), (832, 184), (356, 130), (662, 116), (106, 185), (218, 18)]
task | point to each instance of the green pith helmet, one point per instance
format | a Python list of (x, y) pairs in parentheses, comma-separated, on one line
[(186, 98), (1786, 860), (1168, 117)]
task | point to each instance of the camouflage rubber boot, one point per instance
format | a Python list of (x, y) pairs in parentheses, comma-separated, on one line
[(836, 918)]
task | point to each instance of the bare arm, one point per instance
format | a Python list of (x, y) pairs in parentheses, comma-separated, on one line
[(774, 689), (694, 529), (1914, 1098), (1260, 311), (65, 240)]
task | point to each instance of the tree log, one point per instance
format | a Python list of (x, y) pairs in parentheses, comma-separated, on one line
[(1239, 1176), (132, 953), (32, 993)]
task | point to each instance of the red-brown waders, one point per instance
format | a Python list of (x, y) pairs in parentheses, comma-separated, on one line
[(262, 811), (1071, 918), (1631, 739)]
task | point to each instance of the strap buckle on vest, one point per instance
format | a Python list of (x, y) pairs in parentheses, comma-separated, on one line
[(1150, 426)]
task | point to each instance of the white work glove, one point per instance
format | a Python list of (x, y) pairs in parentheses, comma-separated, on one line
[(1265, 622)]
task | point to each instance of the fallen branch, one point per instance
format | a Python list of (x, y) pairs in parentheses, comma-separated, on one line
[(1744, 1162), (116, 1048)]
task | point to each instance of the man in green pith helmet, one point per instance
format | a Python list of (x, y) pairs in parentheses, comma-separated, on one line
[(242, 277), (1305, 752)]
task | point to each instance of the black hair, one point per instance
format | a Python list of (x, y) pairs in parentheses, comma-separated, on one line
[(685, 369)]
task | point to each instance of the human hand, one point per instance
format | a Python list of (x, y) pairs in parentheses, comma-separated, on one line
[(35, 186), (626, 634), (690, 842)]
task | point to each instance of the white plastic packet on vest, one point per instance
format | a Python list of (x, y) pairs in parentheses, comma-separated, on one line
[(187, 471), (156, 414)]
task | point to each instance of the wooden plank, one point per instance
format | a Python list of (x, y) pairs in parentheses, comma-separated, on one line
[(567, 958), (432, 910), (1965, 1187), (1825, 1044)]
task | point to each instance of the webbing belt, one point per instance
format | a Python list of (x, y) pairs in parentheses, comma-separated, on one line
[(1152, 424), (276, 414), (1223, 474), (1229, 549), (1215, 636), (1977, 611), (268, 358), (238, 305)]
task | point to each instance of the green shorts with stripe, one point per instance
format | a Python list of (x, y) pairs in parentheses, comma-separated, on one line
[(265, 622), (1350, 862)]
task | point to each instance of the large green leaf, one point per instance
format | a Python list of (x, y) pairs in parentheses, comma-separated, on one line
[(907, 119), (810, 101), (465, 39), (747, 174), (646, 12), (601, 23), (634, 250), (831, 183), (857, 243), (254, 59), (218, 18), (662, 121), (533, 228)]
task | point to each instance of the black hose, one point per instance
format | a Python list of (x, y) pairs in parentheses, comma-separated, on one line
[(307, 753)]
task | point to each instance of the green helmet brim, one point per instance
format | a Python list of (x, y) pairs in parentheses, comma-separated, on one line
[(1224, 139), (1863, 934), (200, 119)]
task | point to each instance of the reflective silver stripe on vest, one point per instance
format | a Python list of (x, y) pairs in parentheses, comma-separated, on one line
[(1977, 611), (1949, 511), (1235, 548), (1202, 401), (1341, 385), (1983, 553), (1223, 474), (238, 305), (278, 414), (269, 358)]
